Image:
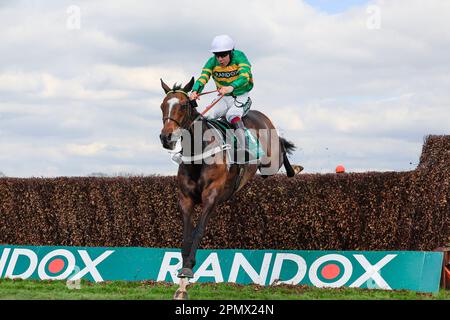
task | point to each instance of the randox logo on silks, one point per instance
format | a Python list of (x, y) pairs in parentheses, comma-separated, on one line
[(411, 270)]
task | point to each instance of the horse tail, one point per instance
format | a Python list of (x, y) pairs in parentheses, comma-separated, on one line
[(287, 148)]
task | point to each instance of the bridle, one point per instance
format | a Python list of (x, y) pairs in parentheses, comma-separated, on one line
[(187, 116), (191, 104)]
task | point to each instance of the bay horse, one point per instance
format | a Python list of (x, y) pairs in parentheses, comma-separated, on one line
[(213, 183)]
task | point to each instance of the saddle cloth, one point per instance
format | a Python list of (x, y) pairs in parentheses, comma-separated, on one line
[(227, 139)]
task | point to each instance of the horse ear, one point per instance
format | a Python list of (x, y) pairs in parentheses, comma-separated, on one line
[(187, 88), (165, 86)]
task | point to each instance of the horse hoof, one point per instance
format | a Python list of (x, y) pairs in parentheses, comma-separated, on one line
[(186, 273), (297, 169), (180, 295)]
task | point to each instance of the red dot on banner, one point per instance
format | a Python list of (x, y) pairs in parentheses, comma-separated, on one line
[(330, 271), (56, 265)]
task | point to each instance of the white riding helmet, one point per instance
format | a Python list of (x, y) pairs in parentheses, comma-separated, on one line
[(222, 43)]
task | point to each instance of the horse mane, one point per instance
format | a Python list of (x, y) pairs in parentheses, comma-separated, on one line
[(176, 87)]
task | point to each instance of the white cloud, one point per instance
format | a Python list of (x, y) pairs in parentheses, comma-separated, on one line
[(86, 150), (287, 118), (324, 79), (20, 82), (135, 78)]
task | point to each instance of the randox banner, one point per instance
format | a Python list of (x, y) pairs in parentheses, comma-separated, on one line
[(410, 270)]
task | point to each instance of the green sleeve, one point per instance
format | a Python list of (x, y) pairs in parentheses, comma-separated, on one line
[(205, 75), (244, 71)]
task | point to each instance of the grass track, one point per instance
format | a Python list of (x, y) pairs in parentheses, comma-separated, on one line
[(121, 290)]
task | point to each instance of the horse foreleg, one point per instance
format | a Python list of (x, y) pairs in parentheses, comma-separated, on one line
[(186, 207), (209, 201), (181, 293)]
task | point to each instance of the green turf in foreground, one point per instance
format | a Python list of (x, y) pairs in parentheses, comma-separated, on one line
[(121, 290)]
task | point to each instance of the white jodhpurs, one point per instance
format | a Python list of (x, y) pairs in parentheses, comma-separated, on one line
[(228, 107)]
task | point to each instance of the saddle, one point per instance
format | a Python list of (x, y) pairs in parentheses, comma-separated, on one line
[(224, 131), (222, 125)]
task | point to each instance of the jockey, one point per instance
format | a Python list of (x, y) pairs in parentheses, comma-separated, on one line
[(231, 72)]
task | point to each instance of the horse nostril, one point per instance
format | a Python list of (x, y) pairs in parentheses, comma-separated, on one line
[(165, 138)]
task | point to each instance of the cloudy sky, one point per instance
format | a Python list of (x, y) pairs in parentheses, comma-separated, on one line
[(358, 83)]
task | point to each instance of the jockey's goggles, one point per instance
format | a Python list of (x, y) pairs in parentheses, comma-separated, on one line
[(221, 54)]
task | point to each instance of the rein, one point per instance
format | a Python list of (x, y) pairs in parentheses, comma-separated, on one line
[(210, 152), (207, 92), (190, 102), (212, 104)]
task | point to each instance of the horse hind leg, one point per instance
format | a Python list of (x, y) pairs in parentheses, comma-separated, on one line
[(288, 147), (287, 165), (291, 170), (285, 148)]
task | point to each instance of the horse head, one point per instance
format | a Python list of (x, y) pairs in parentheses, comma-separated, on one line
[(177, 111)]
